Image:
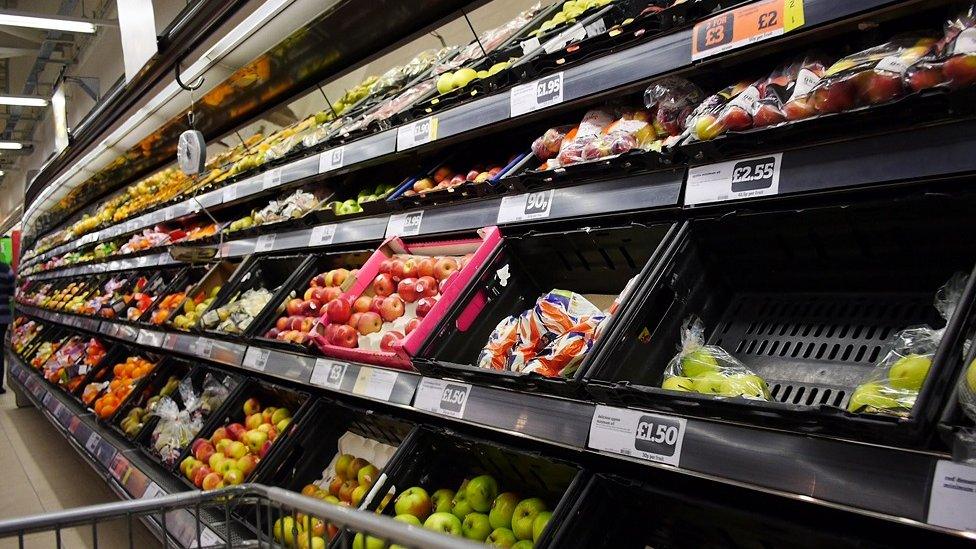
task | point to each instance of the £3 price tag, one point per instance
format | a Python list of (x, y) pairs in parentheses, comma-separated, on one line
[(322, 235), (331, 159), (447, 398), (745, 25)]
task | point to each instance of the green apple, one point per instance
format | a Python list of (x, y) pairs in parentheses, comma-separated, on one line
[(284, 530), (498, 67), (909, 372), (362, 541), (476, 526), (501, 537), (409, 519), (460, 505), (525, 513), (748, 385), (539, 524), (502, 508), (971, 376), (445, 83), (872, 395), (524, 544), (698, 362), (678, 383), (445, 523), (481, 492), (413, 501), (463, 76), (442, 500), (709, 383)]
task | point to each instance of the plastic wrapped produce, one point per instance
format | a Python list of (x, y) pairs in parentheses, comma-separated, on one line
[(729, 109), (952, 60), (546, 146), (672, 100), (176, 428), (784, 95), (709, 369), (589, 129), (893, 385)]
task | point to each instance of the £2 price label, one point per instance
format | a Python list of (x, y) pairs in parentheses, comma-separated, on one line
[(734, 180), (448, 398), (651, 437), (544, 92), (745, 25)]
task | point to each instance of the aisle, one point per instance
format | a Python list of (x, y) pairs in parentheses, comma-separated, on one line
[(42, 473)]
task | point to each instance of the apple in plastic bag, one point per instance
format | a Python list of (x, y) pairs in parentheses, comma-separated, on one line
[(909, 372), (834, 96)]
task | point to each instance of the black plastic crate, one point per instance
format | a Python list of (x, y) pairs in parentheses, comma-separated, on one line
[(183, 281), (438, 458), (157, 282), (218, 275), (615, 512), (268, 272), (156, 381), (105, 372), (808, 300), (596, 263), (232, 411)]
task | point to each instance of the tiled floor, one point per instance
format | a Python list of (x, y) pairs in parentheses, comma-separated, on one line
[(40, 472)]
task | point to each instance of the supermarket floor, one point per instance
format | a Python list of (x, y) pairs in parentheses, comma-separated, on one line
[(40, 472)]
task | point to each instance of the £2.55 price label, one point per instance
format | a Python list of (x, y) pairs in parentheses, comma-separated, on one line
[(637, 434), (734, 180), (525, 207), (331, 159), (328, 373), (540, 94), (405, 224), (417, 133), (745, 25), (448, 398)]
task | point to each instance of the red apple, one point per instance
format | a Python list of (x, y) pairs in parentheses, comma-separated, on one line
[(283, 324), (443, 173), (204, 451), (318, 281), (339, 311), (407, 289), (447, 281), (767, 115), (220, 433), (336, 485), (264, 449), (345, 336), (330, 333), (412, 325), (386, 266), (425, 267), (201, 473), (236, 431), (737, 119), (383, 285), (354, 319), (345, 491), (273, 333), (881, 88), (926, 78), (377, 305), (296, 322), (321, 296), (799, 109), (494, 171), (389, 338), (362, 304), (960, 70), (425, 305), (370, 322), (834, 97), (472, 175), (294, 306), (427, 286), (392, 308), (309, 308), (339, 276), (444, 267), (456, 180), (307, 296)]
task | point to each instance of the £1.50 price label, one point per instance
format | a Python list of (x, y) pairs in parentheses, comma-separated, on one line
[(734, 180), (544, 92), (745, 25), (525, 207), (448, 398), (417, 133), (633, 433)]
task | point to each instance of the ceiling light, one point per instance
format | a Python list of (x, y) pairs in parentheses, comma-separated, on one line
[(1, 173), (49, 23), (22, 100), (11, 145)]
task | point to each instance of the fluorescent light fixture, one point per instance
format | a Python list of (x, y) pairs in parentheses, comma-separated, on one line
[(48, 23), (1, 173), (11, 145), (23, 101)]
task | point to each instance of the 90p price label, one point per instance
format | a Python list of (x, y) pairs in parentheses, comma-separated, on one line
[(544, 92)]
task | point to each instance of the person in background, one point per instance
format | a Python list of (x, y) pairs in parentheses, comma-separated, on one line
[(6, 292)]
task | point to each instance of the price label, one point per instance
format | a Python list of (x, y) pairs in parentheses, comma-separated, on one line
[(734, 180), (405, 224), (265, 243), (153, 491), (375, 383), (633, 433), (328, 373), (256, 359), (203, 347), (331, 159), (525, 207), (596, 28), (447, 398), (193, 206), (745, 25), (530, 45), (93, 441), (271, 179), (417, 133), (952, 501), (224, 250), (544, 92), (322, 235), (230, 193), (150, 338), (570, 35)]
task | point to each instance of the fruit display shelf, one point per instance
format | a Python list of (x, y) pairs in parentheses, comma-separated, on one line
[(833, 472), (615, 71)]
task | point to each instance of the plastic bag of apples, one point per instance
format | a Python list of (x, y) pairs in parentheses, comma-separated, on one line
[(952, 61)]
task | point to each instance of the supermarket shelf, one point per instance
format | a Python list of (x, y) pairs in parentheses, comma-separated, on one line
[(127, 472), (658, 56), (838, 473)]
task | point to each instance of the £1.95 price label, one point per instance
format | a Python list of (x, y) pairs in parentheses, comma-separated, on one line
[(540, 94), (745, 25), (633, 433), (734, 180), (448, 398)]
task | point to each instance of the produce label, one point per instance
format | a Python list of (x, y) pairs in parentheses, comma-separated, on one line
[(256, 359), (150, 338), (734, 180), (153, 491), (447, 398), (271, 179), (952, 502), (331, 159), (745, 25), (375, 383), (637, 434), (265, 243), (417, 133), (93, 441), (203, 347), (230, 193), (568, 36), (328, 373), (540, 94), (405, 224), (322, 235), (525, 207)]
